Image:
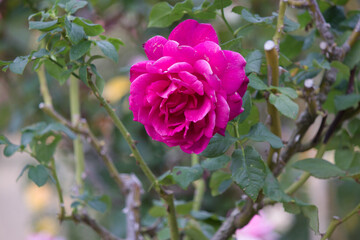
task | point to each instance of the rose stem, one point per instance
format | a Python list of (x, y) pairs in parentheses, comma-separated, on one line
[(75, 120), (199, 186), (273, 80)]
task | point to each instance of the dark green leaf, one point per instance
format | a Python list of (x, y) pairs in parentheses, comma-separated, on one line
[(76, 33), (58, 73), (352, 58), (219, 182), (194, 231), (256, 18), (157, 211), (19, 64), (116, 42), (163, 15), (183, 176), (233, 44), (26, 137), (4, 140), (83, 74), (252, 119), (319, 168), (256, 83), (238, 9), (309, 211), (346, 101), (291, 93), (273, 190), (304, 19), (108, 49), (166, 178), (99, 82), (79, 50), (213, 164), (11, 149), (285, 105), (353, 126), (260, 133), (248, 171), (41, 53), (38, 174), (344, 158), (343, 70), (218, 145), (90, 28), (253, 60), (44, 26)]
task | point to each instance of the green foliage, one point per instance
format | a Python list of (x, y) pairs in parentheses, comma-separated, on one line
[(259, 133), (219, 182), (213, 164), (218, 145), (285, 105), (253, 62), (248, 171), (38, 174), (319, 168), (183, 176)]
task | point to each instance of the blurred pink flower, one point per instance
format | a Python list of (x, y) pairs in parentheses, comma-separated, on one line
[(189, 88), (257, 229), (43, 236)]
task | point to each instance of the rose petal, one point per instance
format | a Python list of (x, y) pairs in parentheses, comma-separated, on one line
[(196, 147), (154, 47), (235, 104), (179, 67), (191, 33), (137, 69), (200, 112), (161, 65), (212, 53), (222, 111), (181, 53), (234, 75), (203, 67)]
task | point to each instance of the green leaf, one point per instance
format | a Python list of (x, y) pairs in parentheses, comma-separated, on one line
[(260, 133), (344, 158), (249, 17), (252, 119), (233, 44), (183, 176), (253, 60), (99, 82), (289, 25), (194, 231), (291, 93), (343, 70), (58, 73), (99, 203), (27, 166), (319, 168), (273, 190), (40, 53), (116, 42), (352, 58), (213, 164), (108, 49), (163, 15), (4, 140), (353, 126), (309, 211), (11, 149), (248, 171), (44, 26), (75, 32), (90, 28), (256, 83), (219, 182), (19, 64), (285, 105), (79, 50), (74, 5), (166, 178), (83, 74), (238, 9), (346, 101), (38, 174), (43, 147), (218, 145)]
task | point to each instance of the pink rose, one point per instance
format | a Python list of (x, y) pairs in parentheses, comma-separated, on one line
[(189, 89), (257, 229)]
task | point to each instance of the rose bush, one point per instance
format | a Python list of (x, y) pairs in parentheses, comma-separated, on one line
[(189, 88)]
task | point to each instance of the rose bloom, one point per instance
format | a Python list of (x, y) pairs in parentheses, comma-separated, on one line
[(189, 88), (257, 229)]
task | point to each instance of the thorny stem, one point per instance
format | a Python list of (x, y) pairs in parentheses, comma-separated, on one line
[(337, 221), (167, 196), (43, 86), (58, 189), (305, 176), (75, 120), (199, 186)]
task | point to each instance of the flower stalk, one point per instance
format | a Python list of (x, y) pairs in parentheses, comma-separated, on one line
[(199, 186)]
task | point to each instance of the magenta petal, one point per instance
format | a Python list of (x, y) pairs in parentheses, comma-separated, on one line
[(203, 67), (235, 104), (192, 82), (154, 47), (199, 113), (222, 112), (212, 53), (191, 33), (181, 53), (234, 76), (137, 69), (161, 65), (179, 67), (197, 147)]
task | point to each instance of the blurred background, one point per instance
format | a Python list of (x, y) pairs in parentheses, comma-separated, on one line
[(26, 210)]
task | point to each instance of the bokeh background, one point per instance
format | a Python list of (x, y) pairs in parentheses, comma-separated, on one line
[(26, 209)]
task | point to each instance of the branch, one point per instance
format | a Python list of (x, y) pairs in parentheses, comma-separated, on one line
[(133, 190), (87, 220), (280, 22), (298, 4), (352, 38), (58, 189), (337, 221)]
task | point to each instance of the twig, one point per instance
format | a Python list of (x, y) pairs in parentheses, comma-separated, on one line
[(352, 38), (337, 221), (87, 220), (133, 190), (58, 189), (224, 18), (43, 86), (298, 4), (199, 186)]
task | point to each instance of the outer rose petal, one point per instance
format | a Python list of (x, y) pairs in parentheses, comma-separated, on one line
[(235, 104), (234, 75), (154, 47), (197, 147), (191, 33), (138, 69)]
